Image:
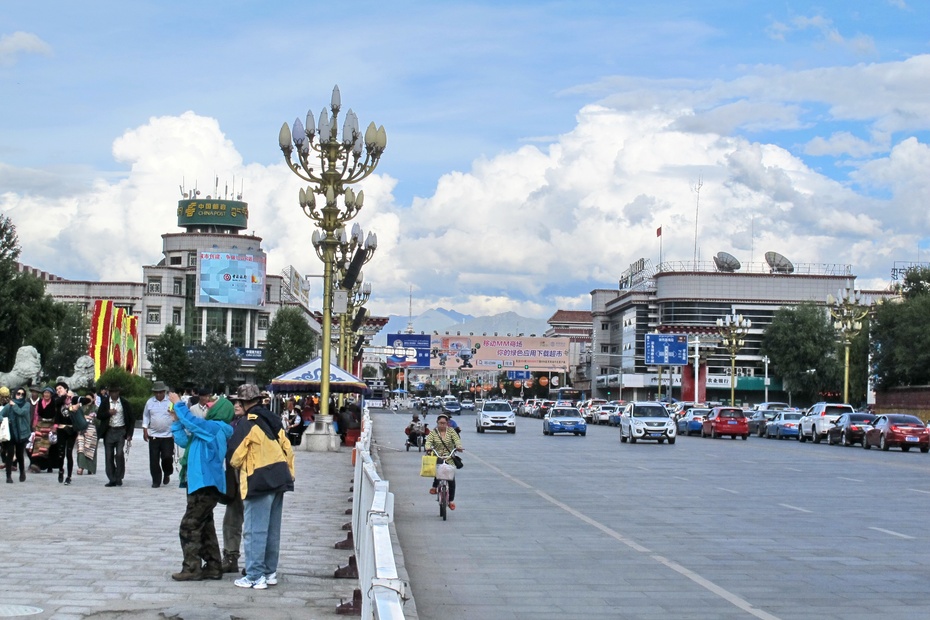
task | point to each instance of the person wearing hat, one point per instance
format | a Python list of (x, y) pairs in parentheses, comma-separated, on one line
[(117, 425), (156, 431), (206, 483), (260, 450)]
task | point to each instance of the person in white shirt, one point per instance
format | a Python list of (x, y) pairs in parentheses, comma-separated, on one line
[(156, 430)]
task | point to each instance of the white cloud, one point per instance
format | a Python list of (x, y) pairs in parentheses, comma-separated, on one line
[(13, 45), (859, 43)]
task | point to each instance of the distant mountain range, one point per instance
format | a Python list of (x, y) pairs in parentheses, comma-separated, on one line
[(442, 321)]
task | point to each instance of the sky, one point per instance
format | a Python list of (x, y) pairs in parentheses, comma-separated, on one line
[(533, 148)]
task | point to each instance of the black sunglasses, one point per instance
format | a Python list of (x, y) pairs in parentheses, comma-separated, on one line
[(20, 393)]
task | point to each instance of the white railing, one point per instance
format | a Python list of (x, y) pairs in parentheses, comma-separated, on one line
[(383, 593)]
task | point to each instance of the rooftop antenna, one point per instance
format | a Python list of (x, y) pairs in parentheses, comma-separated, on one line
[(696, 188), (410, 313), (752, 236)]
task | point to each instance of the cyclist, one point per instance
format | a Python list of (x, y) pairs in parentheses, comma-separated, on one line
[(415, 428), (442, 440)]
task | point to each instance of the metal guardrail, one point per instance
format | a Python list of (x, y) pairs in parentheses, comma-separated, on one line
[(383, 593)]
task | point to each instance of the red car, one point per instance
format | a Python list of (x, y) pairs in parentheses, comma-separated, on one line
[(897, 429), (726, 421)]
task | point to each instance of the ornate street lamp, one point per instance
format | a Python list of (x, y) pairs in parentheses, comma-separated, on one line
[(848, 310), (733, 328), (357, 298), (330, 164)]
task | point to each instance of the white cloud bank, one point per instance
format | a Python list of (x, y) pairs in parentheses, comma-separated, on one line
[(537, 228)]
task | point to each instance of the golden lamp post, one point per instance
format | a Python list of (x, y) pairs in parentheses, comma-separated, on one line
[(848, 309), (733, 328), (330, 163)]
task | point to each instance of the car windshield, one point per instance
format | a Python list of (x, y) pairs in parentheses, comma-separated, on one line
[(791, 416), (836, 409), (496, 407), (698, 412), (904, 419), (564, 412), (862, 417), (649, 411)]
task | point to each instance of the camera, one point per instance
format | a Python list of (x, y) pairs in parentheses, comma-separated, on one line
[(85, 400)]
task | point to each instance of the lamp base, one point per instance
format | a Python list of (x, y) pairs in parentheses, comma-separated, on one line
[(320, 436)]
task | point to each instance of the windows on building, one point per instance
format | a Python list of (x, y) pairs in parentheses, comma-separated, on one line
[(176, 316), (178, 286), (175, 261), (153, 316), (192, 259), (263, 319), (154, 285)]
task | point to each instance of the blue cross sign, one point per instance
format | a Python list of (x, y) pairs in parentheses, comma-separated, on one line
[(666, 350)]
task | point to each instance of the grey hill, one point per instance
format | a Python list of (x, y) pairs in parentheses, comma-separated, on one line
[(442, 321)]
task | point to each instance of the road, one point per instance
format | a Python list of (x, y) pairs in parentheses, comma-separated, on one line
[(587, 527)]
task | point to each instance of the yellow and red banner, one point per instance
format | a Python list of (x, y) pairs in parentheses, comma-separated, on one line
[(114, 338)]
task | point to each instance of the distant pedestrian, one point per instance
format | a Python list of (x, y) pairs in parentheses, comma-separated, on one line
[(261, 452), (117, 426), (156, 430), (206, 482), (41, 457), (67, 434), (88, 439), (18, 415), (199, 405)]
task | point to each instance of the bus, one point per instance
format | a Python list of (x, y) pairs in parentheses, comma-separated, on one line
[(563, 394)]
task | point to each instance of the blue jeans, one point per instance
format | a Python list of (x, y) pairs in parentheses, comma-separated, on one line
[(262, 533)]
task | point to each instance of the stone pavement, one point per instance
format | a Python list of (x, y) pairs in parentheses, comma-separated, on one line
[(87, 551)]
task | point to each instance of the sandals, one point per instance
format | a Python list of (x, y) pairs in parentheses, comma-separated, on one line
[(80, 472)]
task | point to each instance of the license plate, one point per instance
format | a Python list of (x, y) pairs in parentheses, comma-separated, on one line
[(910, 438), (732, 422), (655, 434)]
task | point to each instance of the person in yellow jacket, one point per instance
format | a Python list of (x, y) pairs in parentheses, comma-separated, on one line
[(260, 450)]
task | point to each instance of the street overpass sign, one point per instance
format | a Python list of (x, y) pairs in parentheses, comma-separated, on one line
[(666, 349)]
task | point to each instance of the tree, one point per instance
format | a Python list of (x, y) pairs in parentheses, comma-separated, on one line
[(916, 282), (801, 344), (169, 358), (900, 342), (70, 336), (290, 342), (214, 364)]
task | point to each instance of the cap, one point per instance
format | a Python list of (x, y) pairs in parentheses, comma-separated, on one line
[(248, 391), (159, 386), (4, 391)]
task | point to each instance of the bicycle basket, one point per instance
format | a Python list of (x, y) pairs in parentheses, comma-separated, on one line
[(444, 471)]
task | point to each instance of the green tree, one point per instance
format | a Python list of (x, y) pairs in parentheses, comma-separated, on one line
[(900, 342), (137, 390), (214, 364), (801, 343), (290, 342), (169, 358), (916, 282), (70, 339)]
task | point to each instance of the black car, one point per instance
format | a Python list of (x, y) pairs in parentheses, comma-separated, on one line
[(850, 428), (758, 421)]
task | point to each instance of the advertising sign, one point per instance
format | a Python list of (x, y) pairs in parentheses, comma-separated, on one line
[(419, 342), (213, 212), (231, 279), (503, 353), (666, 349)]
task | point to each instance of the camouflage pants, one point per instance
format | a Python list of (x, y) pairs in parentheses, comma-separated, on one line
[(198, 532)]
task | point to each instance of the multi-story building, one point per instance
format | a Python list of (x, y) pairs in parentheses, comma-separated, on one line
[(688, 298), (576, 326), (211, 278)]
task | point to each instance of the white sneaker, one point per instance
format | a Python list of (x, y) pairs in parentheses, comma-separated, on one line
[(258, 584), (272, 579)]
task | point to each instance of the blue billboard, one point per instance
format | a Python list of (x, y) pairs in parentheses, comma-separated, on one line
[(419, 342), (666, 350), (231, 279)]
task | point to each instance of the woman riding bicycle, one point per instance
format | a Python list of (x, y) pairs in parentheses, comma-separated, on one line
[(442, 440)]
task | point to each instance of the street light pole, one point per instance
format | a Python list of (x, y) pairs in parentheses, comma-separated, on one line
[(766, 360), (848, 310), (329, 164), (733, 328)]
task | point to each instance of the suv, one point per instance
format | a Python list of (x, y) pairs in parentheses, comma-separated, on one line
[(496, 415), (817, 421), (726, 421), (646, 420)]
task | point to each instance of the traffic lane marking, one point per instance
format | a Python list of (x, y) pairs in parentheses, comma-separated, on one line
[(892, 533), (729, 490), (708, 585), (919, 491), (796, 508), (850, 479)]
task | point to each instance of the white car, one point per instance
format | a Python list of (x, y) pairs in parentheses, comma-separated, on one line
[(647, 420), (601, 414), (496, 415), (815, 423)]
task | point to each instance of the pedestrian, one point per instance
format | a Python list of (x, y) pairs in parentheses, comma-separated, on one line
[(88, 438), (18, 415), (259, 449), (233, 517), (156, 431), (66, 401), (199, 405), (117, 426), (41, 457), (206, 482)]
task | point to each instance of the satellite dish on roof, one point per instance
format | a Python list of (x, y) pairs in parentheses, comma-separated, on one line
[(726, 262), (778, 263)]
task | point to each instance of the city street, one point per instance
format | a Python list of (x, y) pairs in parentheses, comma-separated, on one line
[(565, 526)]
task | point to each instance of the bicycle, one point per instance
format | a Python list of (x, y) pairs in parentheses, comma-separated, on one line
[(442, 490)]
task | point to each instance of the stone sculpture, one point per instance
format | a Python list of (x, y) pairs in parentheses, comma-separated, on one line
[(27, 369), (83, 376)]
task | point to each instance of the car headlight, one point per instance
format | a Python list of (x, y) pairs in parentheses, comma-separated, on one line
[(639, 423)]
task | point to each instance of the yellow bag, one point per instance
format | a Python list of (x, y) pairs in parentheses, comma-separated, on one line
[(428, 466)]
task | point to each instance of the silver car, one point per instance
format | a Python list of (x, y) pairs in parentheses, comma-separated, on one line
[(647, 420)]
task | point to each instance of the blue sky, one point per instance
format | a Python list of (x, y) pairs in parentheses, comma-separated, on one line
[(533, 147)]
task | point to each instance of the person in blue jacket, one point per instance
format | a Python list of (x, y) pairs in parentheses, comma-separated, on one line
[(206, 482)]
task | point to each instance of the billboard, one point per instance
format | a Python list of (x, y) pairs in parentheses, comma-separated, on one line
[(419, 342), (504, 353), (231, 279), (213, 212)]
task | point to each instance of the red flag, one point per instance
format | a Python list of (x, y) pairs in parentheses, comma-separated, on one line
[(659, 231)]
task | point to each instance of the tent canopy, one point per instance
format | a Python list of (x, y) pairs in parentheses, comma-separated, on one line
[(306, 379)]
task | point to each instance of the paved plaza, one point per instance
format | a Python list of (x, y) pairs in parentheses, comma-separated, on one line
[(86, 551)]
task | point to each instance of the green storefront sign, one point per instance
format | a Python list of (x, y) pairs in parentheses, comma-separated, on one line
[(213, 212)]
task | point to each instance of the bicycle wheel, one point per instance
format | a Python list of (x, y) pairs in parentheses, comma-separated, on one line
[(443, 498)]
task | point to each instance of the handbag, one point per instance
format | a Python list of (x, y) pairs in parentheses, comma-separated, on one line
[(428, 466), (444, 471), (78, 421), (53, 437), (458, 461), (5, 430)]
